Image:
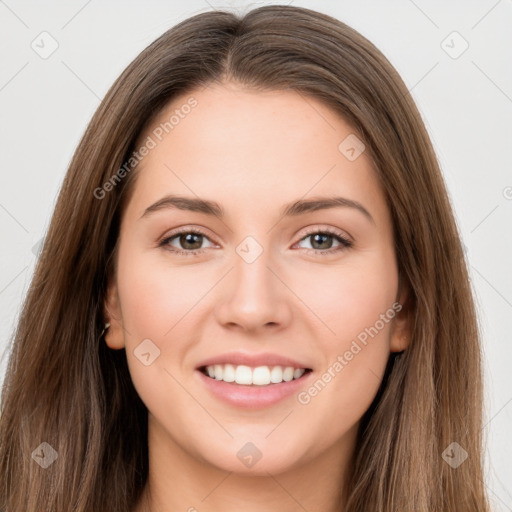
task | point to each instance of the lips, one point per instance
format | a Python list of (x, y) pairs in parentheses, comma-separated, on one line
[(258, 394), (253, 360), (253, 381)]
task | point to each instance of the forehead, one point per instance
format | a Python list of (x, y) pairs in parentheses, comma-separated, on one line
[(250, 149)]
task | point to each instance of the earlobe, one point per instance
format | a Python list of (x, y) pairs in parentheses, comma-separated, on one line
[(113, 334), (402, 324)]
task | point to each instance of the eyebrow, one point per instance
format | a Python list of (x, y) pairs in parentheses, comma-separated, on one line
[(299, 207)]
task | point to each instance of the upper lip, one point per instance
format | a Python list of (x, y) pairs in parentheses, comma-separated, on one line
[(253, 360)]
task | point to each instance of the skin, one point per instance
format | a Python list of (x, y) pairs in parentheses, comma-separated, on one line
[(253, 152)]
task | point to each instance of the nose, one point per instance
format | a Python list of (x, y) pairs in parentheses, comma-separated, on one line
[(254, 297)]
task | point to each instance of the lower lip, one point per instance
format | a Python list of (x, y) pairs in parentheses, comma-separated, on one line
[(253, 397)]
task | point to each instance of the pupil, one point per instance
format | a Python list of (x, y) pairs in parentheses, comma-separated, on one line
[(320, 235), (189, 240)]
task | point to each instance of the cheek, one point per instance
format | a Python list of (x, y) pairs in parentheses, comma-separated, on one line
[(154, 296), (355, 361), (160, 302), (357, 306), (154, 303), (350, 297)]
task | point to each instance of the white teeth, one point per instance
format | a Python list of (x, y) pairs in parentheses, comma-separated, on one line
[(259, 376), (228, 375), (276, 375), (298, 373), (243, 375), (288, 374)]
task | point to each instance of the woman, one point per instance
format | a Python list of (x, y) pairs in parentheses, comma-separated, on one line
[(248, 370)]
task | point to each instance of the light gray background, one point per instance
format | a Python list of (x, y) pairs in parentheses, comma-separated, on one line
[(466, 103)]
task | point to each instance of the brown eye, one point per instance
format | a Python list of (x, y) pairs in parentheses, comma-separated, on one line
[(322, 241), (189, 242)]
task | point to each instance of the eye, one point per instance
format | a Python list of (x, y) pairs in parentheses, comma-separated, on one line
[(191, 240), (322, 240)]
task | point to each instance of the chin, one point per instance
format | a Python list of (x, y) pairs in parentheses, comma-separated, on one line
[(256, 457)]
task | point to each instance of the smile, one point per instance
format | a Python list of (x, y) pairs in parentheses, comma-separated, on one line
[(253, 376)]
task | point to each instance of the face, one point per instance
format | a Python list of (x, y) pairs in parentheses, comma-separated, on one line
[(262, 287)]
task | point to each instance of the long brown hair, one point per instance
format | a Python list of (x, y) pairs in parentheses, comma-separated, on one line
[(63, 385)]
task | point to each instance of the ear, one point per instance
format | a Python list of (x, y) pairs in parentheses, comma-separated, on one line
[(402, 324), (114, 335)]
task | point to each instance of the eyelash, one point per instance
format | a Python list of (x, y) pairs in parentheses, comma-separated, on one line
[(345, 243)]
